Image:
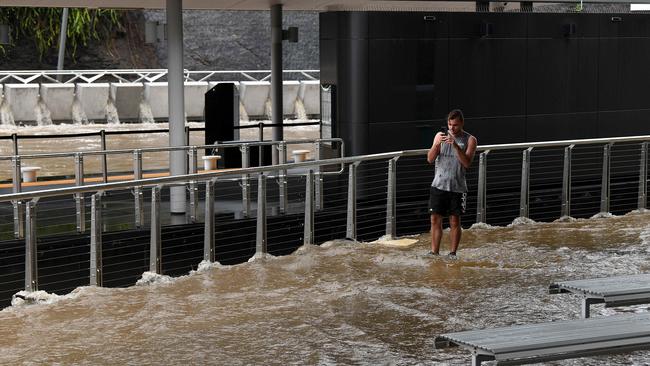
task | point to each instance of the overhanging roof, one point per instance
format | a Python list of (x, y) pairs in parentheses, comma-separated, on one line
[(318, 5)]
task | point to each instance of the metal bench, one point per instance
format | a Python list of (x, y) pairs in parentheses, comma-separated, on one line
[(613, 291), (523, 344)]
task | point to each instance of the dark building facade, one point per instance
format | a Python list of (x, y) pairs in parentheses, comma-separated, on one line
[(517, 76)]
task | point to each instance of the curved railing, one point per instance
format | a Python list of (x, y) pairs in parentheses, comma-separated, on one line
[(527, 180)]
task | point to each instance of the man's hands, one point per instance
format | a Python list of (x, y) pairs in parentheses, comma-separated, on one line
[(435, 147), (448, 139)]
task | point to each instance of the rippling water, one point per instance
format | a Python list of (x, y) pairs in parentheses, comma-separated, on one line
[(339, 303)]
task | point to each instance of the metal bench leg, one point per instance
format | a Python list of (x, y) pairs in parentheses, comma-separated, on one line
[(586, 304), (478, 358)]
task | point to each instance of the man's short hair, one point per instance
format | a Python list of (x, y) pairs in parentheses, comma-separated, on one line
[(456, 114)]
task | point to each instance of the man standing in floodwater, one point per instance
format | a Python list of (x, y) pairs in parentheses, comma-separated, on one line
[(452, 151)]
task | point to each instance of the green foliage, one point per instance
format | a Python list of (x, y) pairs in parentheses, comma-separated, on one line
[(43, 26)]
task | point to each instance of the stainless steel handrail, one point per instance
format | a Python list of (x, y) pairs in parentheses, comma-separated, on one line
[(26, 202), (175, 148), (525, 145), (182, 179)]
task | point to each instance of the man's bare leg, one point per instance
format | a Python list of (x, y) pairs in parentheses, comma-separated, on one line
[(455, 232), (436, 232)]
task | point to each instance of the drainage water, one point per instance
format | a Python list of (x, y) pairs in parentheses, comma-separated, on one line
[(340, 303)]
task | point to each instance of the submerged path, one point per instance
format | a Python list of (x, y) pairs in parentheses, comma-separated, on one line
[(340, 303)]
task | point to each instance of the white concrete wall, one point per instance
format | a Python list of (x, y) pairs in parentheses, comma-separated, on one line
[(127, 97), (58, 98), (310, 95), (157, 94), (290, 90), (23, 99), (253, 95), (93, 99), (195, 99)]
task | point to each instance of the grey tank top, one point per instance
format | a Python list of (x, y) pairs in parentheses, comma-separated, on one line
[(450, 173)]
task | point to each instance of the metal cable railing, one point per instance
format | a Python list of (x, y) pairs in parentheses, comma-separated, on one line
[(275, 209), (103, 142)]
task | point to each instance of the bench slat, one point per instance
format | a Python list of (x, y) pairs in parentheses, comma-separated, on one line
[(559, 353), (610, 286), (573, 332)]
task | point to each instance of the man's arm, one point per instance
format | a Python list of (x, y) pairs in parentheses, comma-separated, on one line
[(466, 156), (435, 148)]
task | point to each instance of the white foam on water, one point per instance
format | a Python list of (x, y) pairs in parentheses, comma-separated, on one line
[(482, 226), (146, 115), (150, 278), (387, 240), (43, 117), (111, 113), (602, 215), (243, 114), (257, 257), (645, 237), (78, 114), (6, 115), (25, 298), (299, 107), (522, 221), (206, 266), (566, 219)]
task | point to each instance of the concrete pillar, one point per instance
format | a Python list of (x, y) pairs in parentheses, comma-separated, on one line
[(177, 161), (276, 74)]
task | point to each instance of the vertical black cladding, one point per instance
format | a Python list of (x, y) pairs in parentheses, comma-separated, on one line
[(221, 116), (344, 64), (517, 76), (562, 73)]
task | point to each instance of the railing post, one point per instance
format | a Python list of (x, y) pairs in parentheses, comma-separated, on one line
[(525, 183), (155, 264), (194, 191), (260, 238), (481, 201), (566, 182), (31, 258), (18, 206), (604, 191), (14, 139), (79, 197), (391, 216), (187, 135), (102, 137), (319, 176), (282, 177), (351, 222), (208, 232), (643, 177), (309, 208), (245, 183), (96, 266), (260, 151), (137, 191)]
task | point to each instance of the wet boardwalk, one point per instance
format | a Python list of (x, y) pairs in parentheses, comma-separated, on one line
[(340, 303)]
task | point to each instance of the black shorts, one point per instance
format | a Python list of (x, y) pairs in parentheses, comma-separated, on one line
[(446, 203)]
